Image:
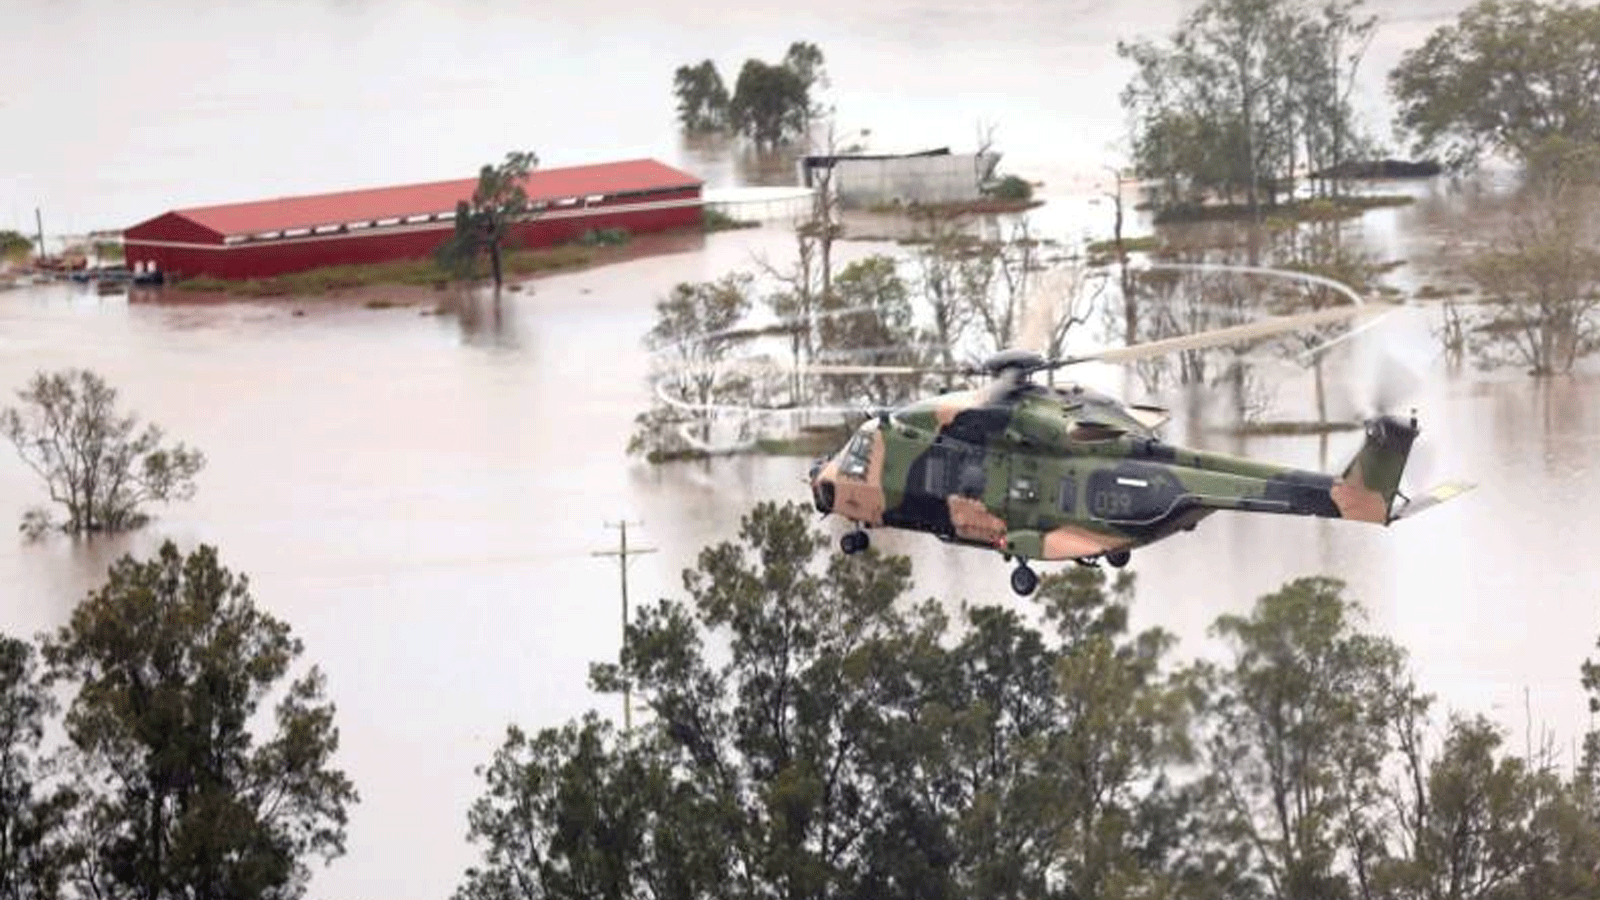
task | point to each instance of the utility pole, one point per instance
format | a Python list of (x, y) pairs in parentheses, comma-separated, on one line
[(38, 222), (622, 553)]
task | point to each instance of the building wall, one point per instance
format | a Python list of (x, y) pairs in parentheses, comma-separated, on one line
[(952, 178), (179, 258), (172, 227)]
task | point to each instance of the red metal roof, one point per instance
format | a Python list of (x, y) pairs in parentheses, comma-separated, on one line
[(399, 201)]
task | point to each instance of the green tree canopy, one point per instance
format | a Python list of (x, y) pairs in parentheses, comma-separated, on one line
[(1243, 95), (770, 103), (867, 319), (33, 853), (1301, 731), (171, 660), (95, 462), (1506, 76), (702, 97), (812, 736)]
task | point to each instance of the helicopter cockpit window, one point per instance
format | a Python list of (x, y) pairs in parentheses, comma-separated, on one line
[(856, 456)]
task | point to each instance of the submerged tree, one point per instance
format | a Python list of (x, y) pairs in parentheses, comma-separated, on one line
[(97, 464), (771, 103), (483, 223), (694, 332), (866, 319), (1244, 95), (1540, 277), (171, 659), (702, 97)]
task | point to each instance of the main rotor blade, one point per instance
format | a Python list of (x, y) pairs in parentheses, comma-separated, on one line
[(1233, 334), (841, 369)]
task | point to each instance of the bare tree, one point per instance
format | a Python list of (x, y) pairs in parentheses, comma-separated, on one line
[(1540, 278), (943, 241)]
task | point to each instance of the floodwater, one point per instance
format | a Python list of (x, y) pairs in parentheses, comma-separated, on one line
[(419, 495)]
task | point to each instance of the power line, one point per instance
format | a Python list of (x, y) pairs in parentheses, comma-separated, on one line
[(622, 553)]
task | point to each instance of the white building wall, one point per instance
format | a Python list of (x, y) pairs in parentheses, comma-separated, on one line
[(954, 178)]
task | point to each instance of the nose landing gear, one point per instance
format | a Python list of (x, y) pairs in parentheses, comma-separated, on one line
[(853, 542), (1118, 558)]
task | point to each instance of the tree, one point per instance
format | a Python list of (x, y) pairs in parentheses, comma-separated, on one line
[(942, 243), (996, 277), (96, 463), (1541, 275), (1490, 825), (1298, 737), (172, 659), (14, 245), (867, 319), (702, 97), (693, 333), (483, 223), (575, 813), (771, 104), (1244, 94), (33, 853), (1507, 76)]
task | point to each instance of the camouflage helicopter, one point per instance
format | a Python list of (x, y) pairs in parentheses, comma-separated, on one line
[(1037, 472)]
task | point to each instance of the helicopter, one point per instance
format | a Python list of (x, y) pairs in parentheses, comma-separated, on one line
[(1039, 472)]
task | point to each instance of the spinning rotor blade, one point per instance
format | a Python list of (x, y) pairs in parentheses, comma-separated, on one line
[(842, 369), (1217, 337), (1233, 334)]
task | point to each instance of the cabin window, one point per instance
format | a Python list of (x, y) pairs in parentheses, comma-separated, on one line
[(1068, 499), (1024, 488), (856, 456), (933, 475)]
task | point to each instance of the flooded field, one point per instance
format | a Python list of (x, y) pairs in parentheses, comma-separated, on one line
[(419, 495)]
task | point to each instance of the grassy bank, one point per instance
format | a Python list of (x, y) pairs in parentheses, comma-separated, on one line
[(717, 220), (411, 272), (1284, 428), (1318, 209), (984, 206)]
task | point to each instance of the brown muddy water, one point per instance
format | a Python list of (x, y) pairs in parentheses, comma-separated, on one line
[(419, 495)]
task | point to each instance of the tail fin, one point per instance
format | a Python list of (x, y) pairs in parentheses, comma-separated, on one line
[(1368, 486)]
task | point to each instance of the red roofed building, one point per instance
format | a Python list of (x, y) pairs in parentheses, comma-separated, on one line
[(289, 234)]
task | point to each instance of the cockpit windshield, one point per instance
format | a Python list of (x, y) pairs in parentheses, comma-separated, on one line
[(856, 455)]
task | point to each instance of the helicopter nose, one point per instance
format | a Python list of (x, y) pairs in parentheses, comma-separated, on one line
[(821, 488)]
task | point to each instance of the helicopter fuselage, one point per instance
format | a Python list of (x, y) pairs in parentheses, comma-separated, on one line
[(1040, 473)]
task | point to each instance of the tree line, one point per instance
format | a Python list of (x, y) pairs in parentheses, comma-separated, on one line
[(1247, 96), (814, 733)]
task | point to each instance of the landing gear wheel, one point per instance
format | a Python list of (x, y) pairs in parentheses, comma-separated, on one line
[(1118, 558), (853, 542), (1023, 580)]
